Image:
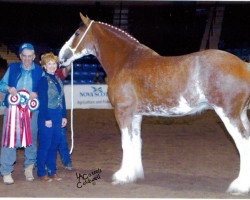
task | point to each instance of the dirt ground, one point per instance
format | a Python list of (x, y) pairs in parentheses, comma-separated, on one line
[(188, 157)]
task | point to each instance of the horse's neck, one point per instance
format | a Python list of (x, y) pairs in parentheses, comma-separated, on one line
[(113, 51)]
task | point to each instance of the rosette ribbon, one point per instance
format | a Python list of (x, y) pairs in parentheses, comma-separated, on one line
[(17, 131)]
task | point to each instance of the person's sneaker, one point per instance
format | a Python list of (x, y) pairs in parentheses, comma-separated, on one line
[(28, 172), (8, 180), (45, 179), (55, 177)]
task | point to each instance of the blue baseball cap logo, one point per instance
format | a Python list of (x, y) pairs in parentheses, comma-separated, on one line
[(25, 46)]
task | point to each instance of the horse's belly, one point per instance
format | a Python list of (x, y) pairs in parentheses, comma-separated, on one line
[(183, 108)]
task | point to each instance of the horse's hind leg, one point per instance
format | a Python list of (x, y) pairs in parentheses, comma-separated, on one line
[(131, 167), (238, 128)]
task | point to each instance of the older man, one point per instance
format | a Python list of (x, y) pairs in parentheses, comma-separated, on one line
[(22, 75)]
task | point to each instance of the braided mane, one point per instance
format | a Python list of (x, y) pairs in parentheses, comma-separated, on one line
[(113, 28)]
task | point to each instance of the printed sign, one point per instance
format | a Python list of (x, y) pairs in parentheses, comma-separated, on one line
[(87, 96)]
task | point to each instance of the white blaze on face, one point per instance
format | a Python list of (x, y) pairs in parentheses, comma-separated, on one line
[(66, 46), (67, 55)]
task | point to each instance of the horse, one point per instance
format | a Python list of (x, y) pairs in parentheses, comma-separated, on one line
[(143, 83)]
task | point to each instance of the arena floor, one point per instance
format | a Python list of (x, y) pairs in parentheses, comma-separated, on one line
[(188, 157)]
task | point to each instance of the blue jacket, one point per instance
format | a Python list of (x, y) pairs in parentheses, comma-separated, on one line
[(51, 97), (15, 70)]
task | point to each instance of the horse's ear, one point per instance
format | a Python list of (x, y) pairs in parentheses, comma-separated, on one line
[(85, 20)]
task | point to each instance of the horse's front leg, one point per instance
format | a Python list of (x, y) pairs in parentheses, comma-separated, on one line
[(131, 168)]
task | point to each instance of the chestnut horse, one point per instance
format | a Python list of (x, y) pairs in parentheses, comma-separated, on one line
[(141, 82)]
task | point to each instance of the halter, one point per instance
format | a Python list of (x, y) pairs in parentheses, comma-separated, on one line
[(83, 36)]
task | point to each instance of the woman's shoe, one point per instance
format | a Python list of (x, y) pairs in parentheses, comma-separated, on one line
[(45, 178), (55, 177)]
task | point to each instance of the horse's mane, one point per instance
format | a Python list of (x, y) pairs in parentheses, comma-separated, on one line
[(120, 32), (117, 30)]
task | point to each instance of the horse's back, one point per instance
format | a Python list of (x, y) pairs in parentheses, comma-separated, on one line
[(170, 66), (192, 80), (177, 72), (224, 61)]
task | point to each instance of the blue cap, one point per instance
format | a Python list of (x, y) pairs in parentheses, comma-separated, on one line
[(25, 46)]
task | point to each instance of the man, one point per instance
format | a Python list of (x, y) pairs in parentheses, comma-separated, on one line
[(22, 75)]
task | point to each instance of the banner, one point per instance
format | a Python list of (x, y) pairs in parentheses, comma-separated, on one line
[(87, 96)]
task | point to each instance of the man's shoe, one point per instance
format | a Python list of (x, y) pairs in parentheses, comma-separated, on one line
[(28, 172), (45, 179), (55, 177), (8, 180)]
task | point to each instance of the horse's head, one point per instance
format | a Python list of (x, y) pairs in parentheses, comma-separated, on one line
[(78, 45)]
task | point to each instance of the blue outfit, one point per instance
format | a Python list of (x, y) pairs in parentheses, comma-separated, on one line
[(52, 107), (20, 78), (64, 149)]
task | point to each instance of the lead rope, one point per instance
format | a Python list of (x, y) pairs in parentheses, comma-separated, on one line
[(71, 112), (72, 91)]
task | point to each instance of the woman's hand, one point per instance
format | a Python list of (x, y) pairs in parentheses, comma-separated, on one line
[(64, 122), (48, 123)]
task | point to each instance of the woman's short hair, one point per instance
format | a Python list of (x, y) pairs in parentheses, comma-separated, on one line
[(45, 58)]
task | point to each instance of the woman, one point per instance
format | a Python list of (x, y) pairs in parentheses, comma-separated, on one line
[(51, 119)]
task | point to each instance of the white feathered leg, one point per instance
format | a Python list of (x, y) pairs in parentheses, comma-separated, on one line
[(131, 167), (241, 185)]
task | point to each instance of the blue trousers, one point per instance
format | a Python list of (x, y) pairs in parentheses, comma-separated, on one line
[(49, 140), (64, 149), (8, 155)]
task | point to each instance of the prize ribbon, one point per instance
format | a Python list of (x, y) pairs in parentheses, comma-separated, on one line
[(17, 131)]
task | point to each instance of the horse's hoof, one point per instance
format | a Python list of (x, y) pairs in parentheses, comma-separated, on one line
[(237, 187), (116, 182), (236, 192), (121, 177)]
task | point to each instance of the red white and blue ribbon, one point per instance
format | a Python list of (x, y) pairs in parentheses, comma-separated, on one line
[(33, 104), (17, 131), (14, 99)]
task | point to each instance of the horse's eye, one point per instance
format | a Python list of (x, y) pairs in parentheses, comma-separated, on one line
[(76, 34)]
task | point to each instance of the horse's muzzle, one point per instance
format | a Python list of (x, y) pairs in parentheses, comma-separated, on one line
[(66, 55)]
